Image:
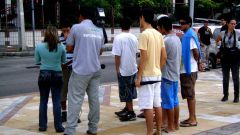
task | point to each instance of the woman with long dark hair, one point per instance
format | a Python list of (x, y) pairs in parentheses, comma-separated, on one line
[(230, 58), (50, 54)]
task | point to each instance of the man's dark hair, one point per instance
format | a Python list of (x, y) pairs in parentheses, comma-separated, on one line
[(65, 23), (125, 23), (148, 15), (88, 12), (187, 19), (166, 23)]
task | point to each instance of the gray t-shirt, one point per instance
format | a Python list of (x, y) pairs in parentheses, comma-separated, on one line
[(171, 70), (87, 40)]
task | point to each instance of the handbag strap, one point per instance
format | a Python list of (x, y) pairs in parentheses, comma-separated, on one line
[(229, 38)]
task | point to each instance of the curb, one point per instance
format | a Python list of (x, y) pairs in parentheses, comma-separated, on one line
[(27, 53), (107, 47)]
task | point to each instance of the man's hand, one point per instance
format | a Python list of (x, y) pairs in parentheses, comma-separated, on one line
[(137, 83), (64, 66), (200, 67), (141, 65)]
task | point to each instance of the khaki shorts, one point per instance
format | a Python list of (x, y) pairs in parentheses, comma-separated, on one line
[(188, 85)]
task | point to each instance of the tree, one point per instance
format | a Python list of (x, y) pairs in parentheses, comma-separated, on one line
[(206, 6)]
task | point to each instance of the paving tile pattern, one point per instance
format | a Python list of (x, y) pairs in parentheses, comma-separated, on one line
[(214, 117)]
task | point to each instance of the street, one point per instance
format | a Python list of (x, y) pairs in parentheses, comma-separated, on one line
[(18, 75)]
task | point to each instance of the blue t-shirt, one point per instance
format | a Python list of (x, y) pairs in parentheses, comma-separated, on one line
[(88, 41), (50, 60)]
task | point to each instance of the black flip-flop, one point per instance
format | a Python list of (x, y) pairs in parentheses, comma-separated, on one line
[(184, 121), (188, 124)]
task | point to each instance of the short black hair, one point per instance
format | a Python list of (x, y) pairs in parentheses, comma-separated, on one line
[(65, 23), (125, 23), (148, 15), (188, 19), (88, 12), (165, 22)]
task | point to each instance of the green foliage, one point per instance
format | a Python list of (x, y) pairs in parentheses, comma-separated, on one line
[(94, 3), (154, 3), (125, 7), (144, 3), (164, 3), (207, 4)]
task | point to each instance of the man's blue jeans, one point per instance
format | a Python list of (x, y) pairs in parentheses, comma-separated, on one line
[(50, 80)]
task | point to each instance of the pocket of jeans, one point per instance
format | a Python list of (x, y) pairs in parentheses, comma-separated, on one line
[(58, 77), (44, 75), (44, 78)]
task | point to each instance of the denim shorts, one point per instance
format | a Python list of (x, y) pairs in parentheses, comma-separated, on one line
[(169, 94), (127, 91)]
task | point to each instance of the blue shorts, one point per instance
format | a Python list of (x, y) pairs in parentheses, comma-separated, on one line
[(169, 94)]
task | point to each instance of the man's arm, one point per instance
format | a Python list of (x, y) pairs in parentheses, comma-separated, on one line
[(142, 62), (117, 63), (196, 54), (218, 39), (197, 58), (101, 51), (199, 34), (210, 31), (163, 57), (69, 48)]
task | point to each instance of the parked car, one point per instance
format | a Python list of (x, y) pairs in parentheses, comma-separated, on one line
[(213, 53)]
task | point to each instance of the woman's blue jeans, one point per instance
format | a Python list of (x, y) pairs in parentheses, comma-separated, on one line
[(50, 80)]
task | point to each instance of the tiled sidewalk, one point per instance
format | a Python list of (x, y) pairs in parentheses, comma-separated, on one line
[(19, 115)]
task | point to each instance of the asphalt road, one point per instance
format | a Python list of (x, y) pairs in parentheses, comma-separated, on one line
[(18, 75)]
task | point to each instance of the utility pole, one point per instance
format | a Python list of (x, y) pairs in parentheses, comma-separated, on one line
[(33, 24), (173, 6), (7, 11), (191, 9), (112, 17), (112, 29), (42, 4), (21, 25), (57, 13)]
